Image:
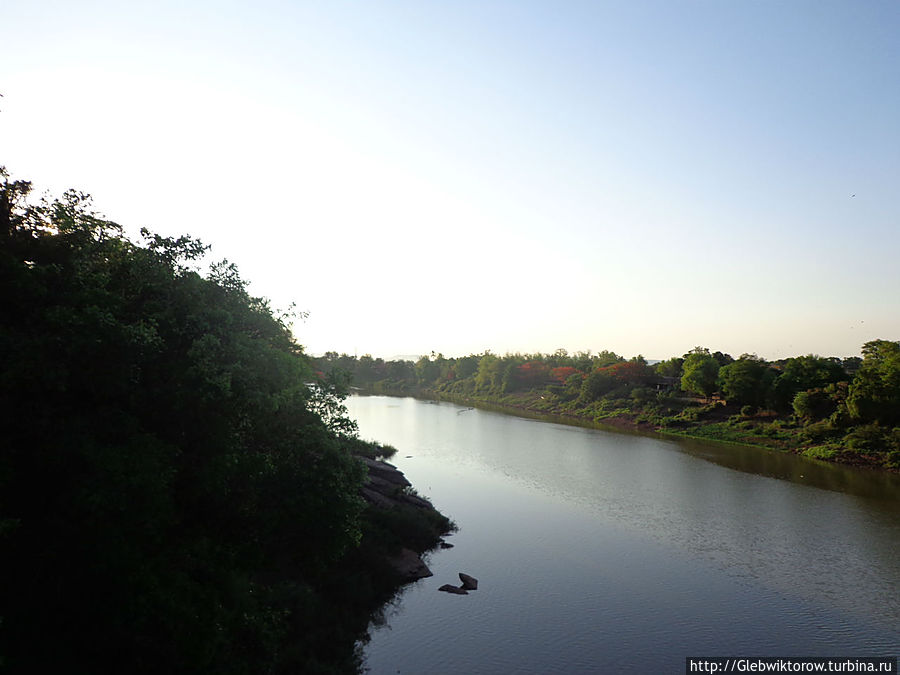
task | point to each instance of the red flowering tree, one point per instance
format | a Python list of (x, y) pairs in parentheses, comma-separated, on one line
[(633, 372), (530, 375), (618, 377), (563, 373)]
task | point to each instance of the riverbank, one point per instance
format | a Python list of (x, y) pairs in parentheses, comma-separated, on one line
[(844, 411), (709, 422), (398, 528)]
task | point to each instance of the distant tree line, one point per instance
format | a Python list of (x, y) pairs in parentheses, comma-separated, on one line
[(833, 408)]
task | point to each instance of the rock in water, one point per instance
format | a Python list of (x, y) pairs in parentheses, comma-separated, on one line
[(468, 583), (447, 588)]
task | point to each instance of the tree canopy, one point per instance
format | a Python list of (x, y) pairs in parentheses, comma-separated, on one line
[(699, 372), (875, 391), (843, 409), (746, 381), (173, 492)]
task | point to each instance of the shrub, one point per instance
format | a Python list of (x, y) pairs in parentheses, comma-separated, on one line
[(642, 395), (867, 437), (817, 432), (826, 451), (370, 449), (689, 414), (892, 459)]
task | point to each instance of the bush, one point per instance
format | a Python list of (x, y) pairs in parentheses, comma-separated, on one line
[(689, 415), (826, 451), (666, 422), (770, 430), (642, 395), (369, 449), (867, 438), (817, 432), (892, 459), (840, 418)]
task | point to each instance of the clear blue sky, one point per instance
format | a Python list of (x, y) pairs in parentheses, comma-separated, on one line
[(516, 176)]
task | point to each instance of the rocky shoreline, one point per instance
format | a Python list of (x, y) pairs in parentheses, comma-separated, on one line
[(387, 490)]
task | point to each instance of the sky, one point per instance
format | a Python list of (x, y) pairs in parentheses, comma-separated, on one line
[(513, 176)]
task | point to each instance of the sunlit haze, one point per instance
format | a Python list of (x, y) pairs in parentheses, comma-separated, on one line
[(642, 177)]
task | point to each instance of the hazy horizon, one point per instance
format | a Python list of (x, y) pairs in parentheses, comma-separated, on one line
[(514, 176)]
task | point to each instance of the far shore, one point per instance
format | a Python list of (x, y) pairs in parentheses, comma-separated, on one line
[(623, 422)]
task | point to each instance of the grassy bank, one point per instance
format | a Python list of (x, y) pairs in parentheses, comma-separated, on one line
[(677, 418)]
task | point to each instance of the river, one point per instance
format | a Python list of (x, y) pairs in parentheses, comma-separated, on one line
[(600, 551)]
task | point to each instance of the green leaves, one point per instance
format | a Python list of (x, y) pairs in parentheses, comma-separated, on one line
[(167, 471), (326, 399), (746, 381), (700, 371), (875, 391), (174, 252)]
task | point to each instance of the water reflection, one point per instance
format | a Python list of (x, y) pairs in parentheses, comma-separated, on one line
[(861, 482), (760, 461)]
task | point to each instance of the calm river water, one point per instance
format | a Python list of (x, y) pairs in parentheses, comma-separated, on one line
[(605, 552)]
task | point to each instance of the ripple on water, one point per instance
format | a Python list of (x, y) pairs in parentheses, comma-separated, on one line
[(604, 553)]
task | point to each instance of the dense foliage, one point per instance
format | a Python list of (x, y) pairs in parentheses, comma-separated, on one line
[(840, 409), (175, 496)]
